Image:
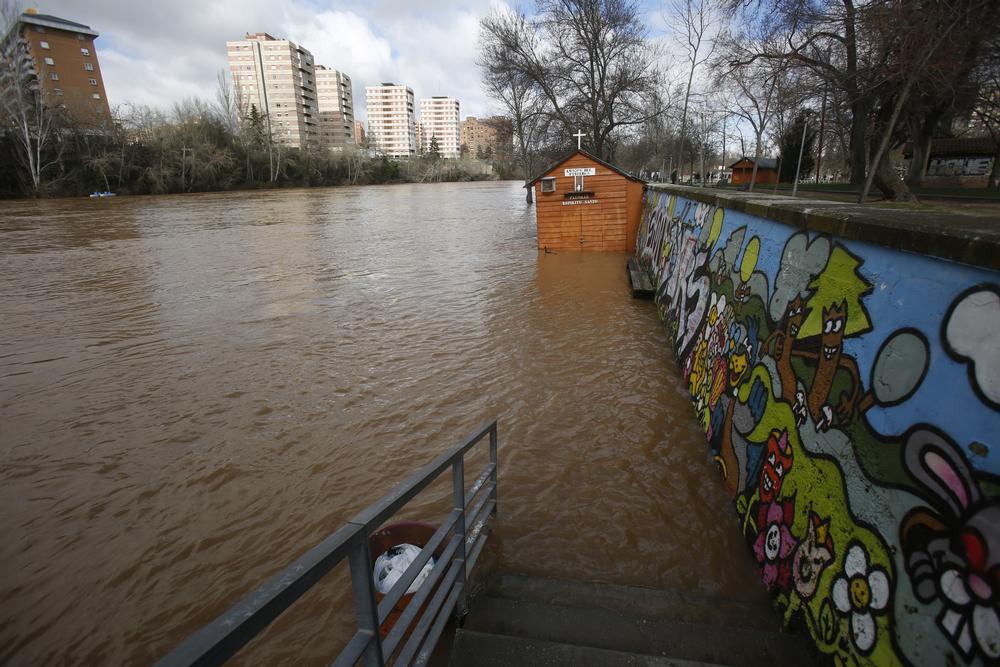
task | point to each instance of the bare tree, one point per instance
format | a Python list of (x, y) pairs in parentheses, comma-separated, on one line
[(25, 112), (986, 108), (226, 102), (514, 89), (753, 93), (917, 36), (593, 63), (873, 54), (692, 21)]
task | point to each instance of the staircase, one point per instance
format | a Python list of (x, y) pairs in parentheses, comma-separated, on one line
[(519, 620)]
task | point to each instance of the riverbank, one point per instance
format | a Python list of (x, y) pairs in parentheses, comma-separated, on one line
[(325, 171)]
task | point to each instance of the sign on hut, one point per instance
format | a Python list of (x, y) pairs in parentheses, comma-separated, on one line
[(585, 203)]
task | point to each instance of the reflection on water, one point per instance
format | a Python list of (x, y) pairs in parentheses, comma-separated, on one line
[(196, 389)]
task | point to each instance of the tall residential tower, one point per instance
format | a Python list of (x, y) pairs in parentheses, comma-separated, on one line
[(63, 58), (439, 120), (278, 78), (336, 109), (391, 127)]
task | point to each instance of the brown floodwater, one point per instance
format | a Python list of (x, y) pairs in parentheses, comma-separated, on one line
[(196, 389)]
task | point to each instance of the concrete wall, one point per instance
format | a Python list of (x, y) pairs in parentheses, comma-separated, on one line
[(850, 394)]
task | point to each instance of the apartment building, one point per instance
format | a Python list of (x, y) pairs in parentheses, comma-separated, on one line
[(391, 125), (418, 134), (278, 78), (439, 120), (482, 137), (335, 102), (63, 58), (359, 133)]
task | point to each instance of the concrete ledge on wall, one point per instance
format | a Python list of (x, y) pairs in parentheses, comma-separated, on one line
[(958, 236)]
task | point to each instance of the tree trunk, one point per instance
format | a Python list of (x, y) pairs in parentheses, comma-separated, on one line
[(889, 183), (921, 154), (922, 133), (859, 152)]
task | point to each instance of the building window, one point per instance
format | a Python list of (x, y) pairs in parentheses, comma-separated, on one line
[(39, 28), (80, 37), (50, 61), (53, 76), (548, 184), (96, 96), (88, 66), (57, 91), (93, 82), (44, 45), (85, 51)]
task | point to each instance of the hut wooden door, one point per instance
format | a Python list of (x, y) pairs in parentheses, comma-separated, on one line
[(572, 227), (592, 220)]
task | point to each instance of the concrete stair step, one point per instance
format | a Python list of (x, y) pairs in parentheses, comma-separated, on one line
[(624, 632), (479, 649), (637, 601)]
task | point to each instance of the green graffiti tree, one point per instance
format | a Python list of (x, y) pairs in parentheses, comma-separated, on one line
[(840, 282)]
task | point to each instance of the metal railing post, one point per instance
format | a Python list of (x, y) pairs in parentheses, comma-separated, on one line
[(363, 586), (493, 460), (458, 496)]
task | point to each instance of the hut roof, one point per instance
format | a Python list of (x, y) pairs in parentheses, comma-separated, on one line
[(763, 163), (588, 155)]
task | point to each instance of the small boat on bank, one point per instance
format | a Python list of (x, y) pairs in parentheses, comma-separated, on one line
[(100, 195)]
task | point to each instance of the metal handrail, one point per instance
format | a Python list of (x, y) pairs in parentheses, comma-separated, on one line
[(222, 638)]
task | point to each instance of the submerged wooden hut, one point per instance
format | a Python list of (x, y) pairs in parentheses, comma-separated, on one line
[(585, 203)]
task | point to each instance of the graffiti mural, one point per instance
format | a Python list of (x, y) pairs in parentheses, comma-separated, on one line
[(850, 395)]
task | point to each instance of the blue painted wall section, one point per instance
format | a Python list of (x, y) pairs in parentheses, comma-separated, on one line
[(850, 394)]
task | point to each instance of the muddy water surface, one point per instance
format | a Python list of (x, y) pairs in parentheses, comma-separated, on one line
[(196, 389)]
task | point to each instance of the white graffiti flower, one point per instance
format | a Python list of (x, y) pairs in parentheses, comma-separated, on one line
[(969, 605), (860, 592)]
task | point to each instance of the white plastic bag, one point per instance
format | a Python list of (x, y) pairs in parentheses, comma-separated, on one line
[(391, 565)]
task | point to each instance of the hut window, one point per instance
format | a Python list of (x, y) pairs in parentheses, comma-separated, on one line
[(549, 184), (578, 183)]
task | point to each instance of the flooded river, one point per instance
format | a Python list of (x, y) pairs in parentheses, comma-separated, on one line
[(196, 389)]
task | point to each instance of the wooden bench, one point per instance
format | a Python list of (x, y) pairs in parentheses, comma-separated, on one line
[(642, 286)]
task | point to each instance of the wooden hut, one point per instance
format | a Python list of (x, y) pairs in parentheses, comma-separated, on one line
[(585, 203), (767, 171)]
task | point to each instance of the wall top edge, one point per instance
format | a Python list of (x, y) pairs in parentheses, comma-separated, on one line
[(957, 236)]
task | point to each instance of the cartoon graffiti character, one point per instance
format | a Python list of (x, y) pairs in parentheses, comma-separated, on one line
[(777, 463), (829, 360), (742, 293), (836, 311), (860, 592), (721, 270), (775, 544), (952, 552), (739, 364), (830, 351), (784, 342), (813, 556)]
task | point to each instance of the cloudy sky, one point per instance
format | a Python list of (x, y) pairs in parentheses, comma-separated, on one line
[(157, 52)]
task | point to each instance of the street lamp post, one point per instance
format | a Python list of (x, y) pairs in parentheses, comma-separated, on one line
[(798, 165)]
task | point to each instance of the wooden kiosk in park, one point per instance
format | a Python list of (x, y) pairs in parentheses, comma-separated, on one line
[(585, 203)]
